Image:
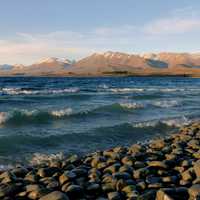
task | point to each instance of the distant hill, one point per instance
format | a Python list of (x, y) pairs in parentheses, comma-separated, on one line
[(111, 63)]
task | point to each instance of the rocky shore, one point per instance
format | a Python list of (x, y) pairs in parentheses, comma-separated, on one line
[(163, 169)]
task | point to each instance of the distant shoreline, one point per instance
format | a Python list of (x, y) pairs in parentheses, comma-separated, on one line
[(94, 76)]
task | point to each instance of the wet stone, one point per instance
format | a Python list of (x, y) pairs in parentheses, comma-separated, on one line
[(157, 144), (194, 191), (114, 196), (157, 164), (74, 191), (56, 195), (8, 190), (197, 168), (162, 195), (66, 176)]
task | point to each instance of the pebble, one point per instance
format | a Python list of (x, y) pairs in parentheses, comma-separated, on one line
[(164, 169)]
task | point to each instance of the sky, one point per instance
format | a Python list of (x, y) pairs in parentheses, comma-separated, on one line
[(31, 30)]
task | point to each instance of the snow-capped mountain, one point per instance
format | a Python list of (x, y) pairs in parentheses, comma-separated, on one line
[(111, 63)]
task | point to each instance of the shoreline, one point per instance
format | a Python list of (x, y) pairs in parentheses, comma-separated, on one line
[(163, 169), (102, 76)]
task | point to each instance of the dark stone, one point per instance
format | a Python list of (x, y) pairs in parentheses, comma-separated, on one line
[(9, 190), (74, 191)]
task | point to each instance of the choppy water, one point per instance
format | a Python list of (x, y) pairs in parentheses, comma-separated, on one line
[(79, 115)]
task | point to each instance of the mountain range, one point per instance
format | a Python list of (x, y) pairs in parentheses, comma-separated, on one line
[(111, 63)]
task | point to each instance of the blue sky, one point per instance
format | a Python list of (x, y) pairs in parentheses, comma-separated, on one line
[(31, 30)]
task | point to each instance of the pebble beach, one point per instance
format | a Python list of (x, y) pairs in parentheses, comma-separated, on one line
[(163, 169)]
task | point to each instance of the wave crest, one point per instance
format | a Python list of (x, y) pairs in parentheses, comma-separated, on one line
[(125, 90), (166, 103), (61, 113), (21, 116), (20, 91), (174, 122), (131, 105)]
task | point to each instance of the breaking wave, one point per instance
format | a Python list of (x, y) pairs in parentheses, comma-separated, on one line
[(23, 116), (166, 103), (125, 90), (131, 105), (21, 91), (101, 88), (40, 116), (105, 88), (172, 122)]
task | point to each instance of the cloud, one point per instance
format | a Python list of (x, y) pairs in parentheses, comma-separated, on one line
[(172, 26), (27, 47), (158, 35), (179, 21)]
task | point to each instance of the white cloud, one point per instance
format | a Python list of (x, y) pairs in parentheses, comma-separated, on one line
[(178, 21), (172, 26), (27, 47)]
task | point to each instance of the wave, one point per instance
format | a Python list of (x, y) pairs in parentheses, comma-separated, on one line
[(97, 138), (171, 122), (102, 88), (105, 88), (125, 90), (169, 90), (166, 103), (131, 105), (23, 116), (21, 91), (117, 107)]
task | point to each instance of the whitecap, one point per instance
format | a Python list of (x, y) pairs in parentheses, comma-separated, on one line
[(103, 86), (61, 113), (173, 122), (166, 103), (19, 91), (145, 124), (4, 116), (125, 90), (172, 90), (177, 122), (131, 105)]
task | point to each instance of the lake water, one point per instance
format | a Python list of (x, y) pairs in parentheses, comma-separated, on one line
[(80, 115)]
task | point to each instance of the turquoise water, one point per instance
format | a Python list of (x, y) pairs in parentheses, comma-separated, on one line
[(80, 115)]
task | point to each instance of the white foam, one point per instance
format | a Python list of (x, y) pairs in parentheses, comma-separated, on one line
[(62, 113), (4, 116), (39, 158), (172, 90), (178, 122), (66, 90), (166, 103), (5, 167), (145, 124), (104, 86), (131, 105), (175, 122), (19, 91), (125, 90)]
